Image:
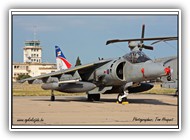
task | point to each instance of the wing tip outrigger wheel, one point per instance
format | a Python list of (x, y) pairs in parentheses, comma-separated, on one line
[(52, 96)]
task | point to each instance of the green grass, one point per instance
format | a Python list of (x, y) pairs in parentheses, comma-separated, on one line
[(36, 90), (158, 90)]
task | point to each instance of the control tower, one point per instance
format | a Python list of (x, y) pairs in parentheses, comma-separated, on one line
[(32, 52)]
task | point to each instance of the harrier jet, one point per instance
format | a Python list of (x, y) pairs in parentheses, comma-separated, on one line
[(124, 75)]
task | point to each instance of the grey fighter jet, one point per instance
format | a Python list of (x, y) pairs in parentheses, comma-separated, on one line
[(123, 75)]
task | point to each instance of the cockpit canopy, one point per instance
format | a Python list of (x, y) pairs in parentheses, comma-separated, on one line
[(136, 57)]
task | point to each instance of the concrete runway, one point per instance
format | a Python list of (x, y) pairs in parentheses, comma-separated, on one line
[(143, 109)]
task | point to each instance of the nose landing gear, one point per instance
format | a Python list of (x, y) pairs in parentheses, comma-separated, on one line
[(122, 96)]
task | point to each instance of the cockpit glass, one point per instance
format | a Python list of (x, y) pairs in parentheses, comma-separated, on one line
[(136, 57)]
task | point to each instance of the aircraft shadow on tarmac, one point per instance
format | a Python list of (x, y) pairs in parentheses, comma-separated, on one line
[(107, 100)]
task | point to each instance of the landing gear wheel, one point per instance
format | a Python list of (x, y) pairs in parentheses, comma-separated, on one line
[(52, 96), (169, 78), (120, 99), (176, 93), (93, 97)]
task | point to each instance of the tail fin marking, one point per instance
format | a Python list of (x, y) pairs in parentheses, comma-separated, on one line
[(62, 62)]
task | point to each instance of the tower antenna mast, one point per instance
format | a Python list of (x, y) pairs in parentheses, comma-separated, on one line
[(34, 27)]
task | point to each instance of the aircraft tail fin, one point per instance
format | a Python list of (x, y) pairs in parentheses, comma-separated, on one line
[(62, 62)]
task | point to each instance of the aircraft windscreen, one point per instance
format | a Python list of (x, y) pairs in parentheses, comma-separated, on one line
[(136, 57)]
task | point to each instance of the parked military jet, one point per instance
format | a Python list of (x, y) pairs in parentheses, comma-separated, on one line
[(122, 75)]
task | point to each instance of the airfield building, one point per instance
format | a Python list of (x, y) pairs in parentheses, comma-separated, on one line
[(32, 51), (32, 61)]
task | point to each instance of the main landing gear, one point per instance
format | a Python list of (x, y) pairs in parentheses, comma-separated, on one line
[(93, 97)]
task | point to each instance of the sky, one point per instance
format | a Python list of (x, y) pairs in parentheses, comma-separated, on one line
[(86, 35)]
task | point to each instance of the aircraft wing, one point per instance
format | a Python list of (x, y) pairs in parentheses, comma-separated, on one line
[(81, 70)]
